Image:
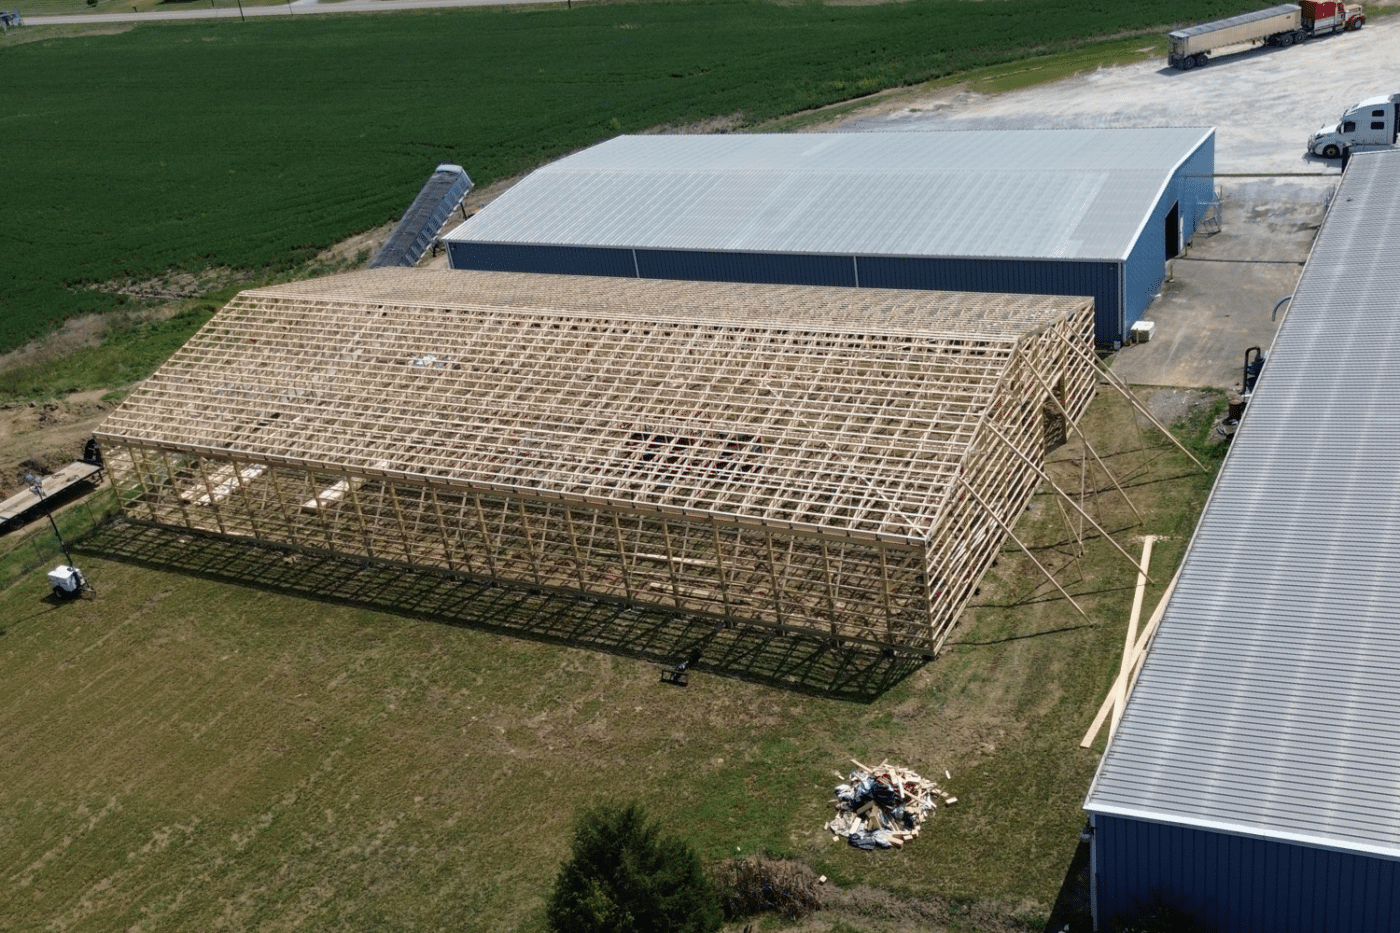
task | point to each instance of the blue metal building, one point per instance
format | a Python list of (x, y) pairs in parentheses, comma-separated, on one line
[(1050, 212), (1254, 780)]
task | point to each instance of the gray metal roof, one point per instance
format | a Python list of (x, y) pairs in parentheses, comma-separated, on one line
[(1270, 703), (1239, 20), (1061, 194)]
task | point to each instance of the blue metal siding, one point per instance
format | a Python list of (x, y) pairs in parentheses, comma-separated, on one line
[(762, 268), (1195, 182), (1147, 263), (1191, 190), (1240, 884), (558, 260), (1100, 280)]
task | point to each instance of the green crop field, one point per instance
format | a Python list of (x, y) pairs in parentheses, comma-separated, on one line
[(132, 153), (237, 738)]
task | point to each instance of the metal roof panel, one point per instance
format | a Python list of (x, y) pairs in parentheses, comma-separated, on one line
[(1269, 703), (1044, 194)]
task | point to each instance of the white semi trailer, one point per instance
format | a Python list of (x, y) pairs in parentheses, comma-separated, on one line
[(1281, 26)]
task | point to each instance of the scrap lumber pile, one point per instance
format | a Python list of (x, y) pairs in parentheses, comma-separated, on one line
[(882, 807)]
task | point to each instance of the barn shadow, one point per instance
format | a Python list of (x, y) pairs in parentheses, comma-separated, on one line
[(794, 661)]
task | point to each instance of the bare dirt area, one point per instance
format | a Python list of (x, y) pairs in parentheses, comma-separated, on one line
[(40, 437), (172, 285), (22, 36)]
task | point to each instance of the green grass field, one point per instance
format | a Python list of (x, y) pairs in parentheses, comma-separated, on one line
[(237, 738), (252, 146)]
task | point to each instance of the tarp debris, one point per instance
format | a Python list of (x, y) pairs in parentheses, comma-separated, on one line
[(882, 807)]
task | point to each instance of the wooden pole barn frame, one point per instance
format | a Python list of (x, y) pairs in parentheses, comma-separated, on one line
[(835, 461)]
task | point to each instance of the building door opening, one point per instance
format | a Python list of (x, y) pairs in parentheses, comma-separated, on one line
[(1173, 231)]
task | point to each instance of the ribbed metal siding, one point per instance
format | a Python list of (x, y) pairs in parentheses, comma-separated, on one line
[(1240, 884), (1191, 189), (1147, 265), (1196, 186), (1100, 280), (763, 268), (559, 260), (1013, 276)]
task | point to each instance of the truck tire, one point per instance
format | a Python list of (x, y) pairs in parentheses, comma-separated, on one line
[(1331, 151), (1202, 58), (1285, 39), (1187, 63)]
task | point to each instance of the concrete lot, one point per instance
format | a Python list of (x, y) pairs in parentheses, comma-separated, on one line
[(1263, 103)]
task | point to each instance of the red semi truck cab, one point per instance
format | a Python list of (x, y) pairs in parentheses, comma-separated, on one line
[(1323, 16)]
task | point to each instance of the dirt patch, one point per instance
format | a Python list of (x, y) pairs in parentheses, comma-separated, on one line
[(1172, 406), (354, 252), (40, 437), (76, 333), (170, 286), (21, 36), (723, 124)]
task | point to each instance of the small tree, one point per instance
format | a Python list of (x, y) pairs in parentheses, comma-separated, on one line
[(623, 876)]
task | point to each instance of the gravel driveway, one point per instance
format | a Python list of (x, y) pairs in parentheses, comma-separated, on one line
[(1264, 103)]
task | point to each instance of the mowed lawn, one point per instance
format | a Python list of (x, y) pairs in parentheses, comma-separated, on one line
[(238, 738), (209, 147)]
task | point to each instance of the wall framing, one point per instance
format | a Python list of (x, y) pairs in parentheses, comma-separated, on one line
[(795, 456)]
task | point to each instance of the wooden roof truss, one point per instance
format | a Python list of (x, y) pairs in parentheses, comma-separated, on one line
[(797, 456)]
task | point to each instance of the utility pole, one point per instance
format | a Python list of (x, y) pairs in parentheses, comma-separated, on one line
[(36, 486)]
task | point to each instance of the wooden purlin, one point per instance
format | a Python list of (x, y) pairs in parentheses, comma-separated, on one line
[(596, 408), (785, 461)]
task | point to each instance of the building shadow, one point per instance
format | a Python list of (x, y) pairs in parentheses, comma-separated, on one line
[(1072, 911), (788, 660)]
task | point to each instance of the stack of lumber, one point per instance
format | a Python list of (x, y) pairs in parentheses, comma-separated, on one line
[(882, 807)]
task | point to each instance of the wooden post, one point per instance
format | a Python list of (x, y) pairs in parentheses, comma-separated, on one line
[(1132, 399), (1044, 476), (1139, 652), (1130, 639), (1012, 535)]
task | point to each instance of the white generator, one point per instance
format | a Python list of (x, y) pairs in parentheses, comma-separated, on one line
[(67, 581)]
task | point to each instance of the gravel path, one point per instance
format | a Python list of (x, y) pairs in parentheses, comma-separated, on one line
[(1264, 104)]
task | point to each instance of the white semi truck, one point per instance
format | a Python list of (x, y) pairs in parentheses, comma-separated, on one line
[(1281, 26), (1374, 121)]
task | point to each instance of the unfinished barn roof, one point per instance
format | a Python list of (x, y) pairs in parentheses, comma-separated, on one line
[(1269, 703), (791, 405), (1056, 194)]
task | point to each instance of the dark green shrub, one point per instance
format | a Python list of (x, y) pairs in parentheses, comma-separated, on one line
[(623, 876)]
